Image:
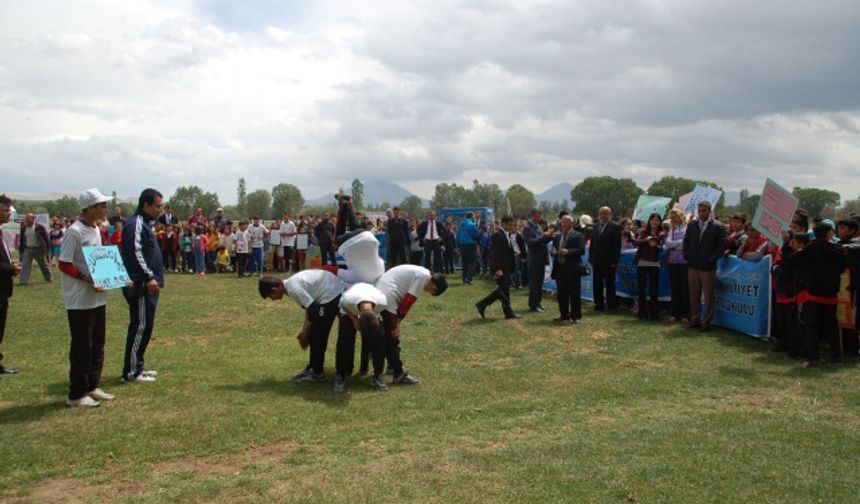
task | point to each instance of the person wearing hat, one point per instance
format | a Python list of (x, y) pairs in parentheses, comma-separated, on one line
[(141, 255), (85, 303), (847, 232), (220, 220), (8, 270)]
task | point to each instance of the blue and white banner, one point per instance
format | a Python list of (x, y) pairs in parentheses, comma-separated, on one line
[(742, 300), (742, 297)]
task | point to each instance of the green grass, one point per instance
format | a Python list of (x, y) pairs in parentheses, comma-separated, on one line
[(509, 411)]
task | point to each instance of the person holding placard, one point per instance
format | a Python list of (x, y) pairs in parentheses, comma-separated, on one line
[(85, 304)]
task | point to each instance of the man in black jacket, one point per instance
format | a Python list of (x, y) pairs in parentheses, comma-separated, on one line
[(536, 240), (704, 243), (502, 261), (397, 239), (603, 254), (141, 256), (430, 233), (567, 250), (823, 263), (325, 232), (8, 269)]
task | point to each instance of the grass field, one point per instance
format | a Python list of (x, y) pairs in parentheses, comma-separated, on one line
[(509, 411)]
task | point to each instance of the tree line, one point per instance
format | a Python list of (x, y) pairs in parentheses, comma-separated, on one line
[(587, 196)]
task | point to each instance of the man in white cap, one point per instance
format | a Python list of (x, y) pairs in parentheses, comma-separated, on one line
[(85, 303)]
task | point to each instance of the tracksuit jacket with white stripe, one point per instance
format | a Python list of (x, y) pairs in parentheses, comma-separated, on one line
[(140, 250)]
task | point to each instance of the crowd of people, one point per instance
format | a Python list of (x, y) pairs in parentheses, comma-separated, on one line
[(371, 296)]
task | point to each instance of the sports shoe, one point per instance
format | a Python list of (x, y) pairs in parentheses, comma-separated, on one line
[(149, 372), (84, 402), (100, 395), (140, 379), (379, 384), (339, 384), (404, 378), (303, 372), (311, 378)]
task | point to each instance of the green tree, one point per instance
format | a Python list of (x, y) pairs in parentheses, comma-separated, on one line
[(66, 205), (286, 198), (848, 208), (412, 206), (241, 196), (818, 202), (449, 196), (594, 192), (489, 195), (184, 200), (522, 201), (259, 203), (357, 194)]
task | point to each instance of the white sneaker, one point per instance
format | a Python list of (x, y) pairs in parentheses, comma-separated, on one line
[(149, 372), (100, 395), (142, 378), (84, 402)]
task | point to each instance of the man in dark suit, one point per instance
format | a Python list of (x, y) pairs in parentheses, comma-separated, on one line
[(704, 243), (502, 261), (536, 240), (397, 239), (603, 254), (430, 233), (168, 217), (8, 269), (568, 247)]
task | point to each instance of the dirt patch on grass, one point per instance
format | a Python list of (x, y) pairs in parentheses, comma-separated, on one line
[(74, 491), (228, 464), (6, 404)]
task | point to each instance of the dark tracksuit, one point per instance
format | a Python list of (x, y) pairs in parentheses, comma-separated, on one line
[(823, 263), (321, 317), (142, 257), (345, 358)]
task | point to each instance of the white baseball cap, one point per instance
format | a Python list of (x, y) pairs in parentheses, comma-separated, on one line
[(91, 197)]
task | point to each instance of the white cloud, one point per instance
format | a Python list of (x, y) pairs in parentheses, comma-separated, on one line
[(132, 94)]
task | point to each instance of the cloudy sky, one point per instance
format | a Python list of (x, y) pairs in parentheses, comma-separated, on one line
[(123, 95)]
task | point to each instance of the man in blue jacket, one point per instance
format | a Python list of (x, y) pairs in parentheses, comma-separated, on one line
[(142, 258), (467, 239)]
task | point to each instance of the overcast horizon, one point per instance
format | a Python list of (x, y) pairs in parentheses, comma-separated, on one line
[(125, 95)]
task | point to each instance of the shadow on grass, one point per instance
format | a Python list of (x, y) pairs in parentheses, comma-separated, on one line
[(319, 392), (29, 412)]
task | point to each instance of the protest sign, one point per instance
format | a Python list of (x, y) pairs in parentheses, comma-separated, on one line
[(684, 201), (775, 211), (702, 193), (106, 267), (626, 285), (646, 205)]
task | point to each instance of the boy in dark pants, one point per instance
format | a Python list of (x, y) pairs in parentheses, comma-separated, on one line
[(822, 262), (318, 292), (360, 307), (85, 304)]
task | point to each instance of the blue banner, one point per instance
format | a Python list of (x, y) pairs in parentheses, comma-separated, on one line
[(742, 297), (742, 300)]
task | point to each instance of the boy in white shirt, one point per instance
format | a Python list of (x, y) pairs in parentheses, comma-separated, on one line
[(318, 292), (288, 239), (242, 246), (259, 233), (401, 286)]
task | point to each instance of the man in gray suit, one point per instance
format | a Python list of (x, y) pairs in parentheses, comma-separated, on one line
[(33, 243)]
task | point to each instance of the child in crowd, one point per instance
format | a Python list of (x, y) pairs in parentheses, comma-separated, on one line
[(222, 259), (56, 237), (213, 240), (227, 239), (738, 226), (199, 250), (242, 245), (169, 246), (754, 247), (301, 250), (185, 244)]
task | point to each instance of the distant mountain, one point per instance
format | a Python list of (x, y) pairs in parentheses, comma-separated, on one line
[(558, 192), (376, 191)]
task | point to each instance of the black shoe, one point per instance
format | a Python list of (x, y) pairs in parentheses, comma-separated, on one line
[(510, 316), (537, 310), (481, 309), (7, 370), (304, 372)]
